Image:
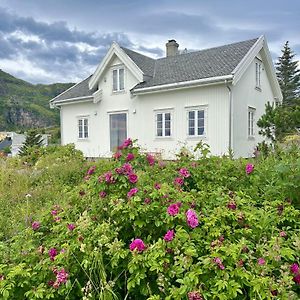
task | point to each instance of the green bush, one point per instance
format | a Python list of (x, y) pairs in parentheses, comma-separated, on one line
[(135, 227)]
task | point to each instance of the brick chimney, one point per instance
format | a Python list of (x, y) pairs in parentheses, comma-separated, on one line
[(171, 48)]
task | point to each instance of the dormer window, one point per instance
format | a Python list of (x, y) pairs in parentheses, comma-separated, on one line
[(118, 79), (258, 74)]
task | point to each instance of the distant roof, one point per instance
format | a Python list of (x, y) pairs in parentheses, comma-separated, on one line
[(5, 143), (189, 66), (80, 89)]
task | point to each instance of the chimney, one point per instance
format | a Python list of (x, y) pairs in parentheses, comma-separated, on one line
[(172, 48)]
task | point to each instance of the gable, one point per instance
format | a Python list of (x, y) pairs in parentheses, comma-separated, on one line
[(115, 52)]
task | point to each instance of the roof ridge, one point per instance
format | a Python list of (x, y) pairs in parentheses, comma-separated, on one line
[(124, 48)]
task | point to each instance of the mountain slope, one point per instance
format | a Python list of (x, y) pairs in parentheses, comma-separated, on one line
[(24, 105)]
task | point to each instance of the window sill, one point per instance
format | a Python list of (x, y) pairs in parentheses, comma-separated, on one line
[(118, 92), (83, 140), (258, 88), (158, 138), (196, 137)]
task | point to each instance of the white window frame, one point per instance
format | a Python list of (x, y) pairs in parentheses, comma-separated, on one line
[(251, 121), (195, 109), (85, 130), (163, 113), (117, 69), (258, 69)]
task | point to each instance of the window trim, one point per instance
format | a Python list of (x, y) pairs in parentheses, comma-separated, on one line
[(82, 118), (118, 68), (251, 122), (196, 109), (258, 71), (163, 112)]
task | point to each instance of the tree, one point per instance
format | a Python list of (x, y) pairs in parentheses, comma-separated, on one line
[(288, 76), (33, 140)]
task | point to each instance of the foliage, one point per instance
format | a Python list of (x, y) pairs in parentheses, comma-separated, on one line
[(18, 97), (279, 121), (288, 75), (135, 227), (33, 140)]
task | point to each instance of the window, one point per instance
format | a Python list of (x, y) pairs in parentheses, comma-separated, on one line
[(118, 80), (257, 74), (251, 114), (118, 129), (163, 124), (83, 128), (196, 122)]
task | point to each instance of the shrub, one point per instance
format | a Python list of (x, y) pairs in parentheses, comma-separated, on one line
[(139, 228)]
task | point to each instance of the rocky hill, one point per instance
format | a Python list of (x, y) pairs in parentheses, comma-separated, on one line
[(24, 105)]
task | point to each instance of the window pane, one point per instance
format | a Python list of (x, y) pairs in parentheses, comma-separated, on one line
[(191, 115), (121, 79), (200, 130), (201, 123), (80, 135), (167, 116), (159, 117), (115, 80), (191, 123), (168, 132), (191, 130)]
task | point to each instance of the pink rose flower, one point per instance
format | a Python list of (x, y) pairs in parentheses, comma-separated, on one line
[(132, 192), (294, 268), (297, 279), (35, 225), (147, 201), (194, 296), (127, 168), (261, 261), (117, 155), (151, 160), (138, 245), (184, 172), (249, 168), (218, 262), (173, 209), (54, 212), (178, 181), (169, 236), (129, 157), (109, 177), (52, 253), (231, 205), (71, 227), (157, 186), (191, 218), (282, 234), (102, 194), (61, 277), (132, 178), (91, 170), (127, 143)]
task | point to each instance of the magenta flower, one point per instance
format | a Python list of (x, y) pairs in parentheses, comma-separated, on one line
[(102, 194), (178, 181), (117, 155), (127, 143), (218, 262), (138, 245), (169, 236), (157, 186), (129, 157), (282, 234), (231, 205), (191, 218), (294, 268), (87, 177), (52, 253), (91, 170), (54, 212), (184, 172), (35, 225), (194, 296), (61, 277), (132, 192), (147, 201), (109, 177), (249, 168), (261, 261), (127, 168), (297, 279), (173, 209), (71, 227), (150, 158), (133, 178)]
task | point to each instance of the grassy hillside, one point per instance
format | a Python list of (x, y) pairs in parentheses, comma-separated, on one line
[(24, 105)]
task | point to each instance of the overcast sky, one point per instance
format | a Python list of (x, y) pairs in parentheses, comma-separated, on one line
[(46, 41)]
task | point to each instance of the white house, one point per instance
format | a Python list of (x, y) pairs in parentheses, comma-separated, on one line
[(215, 95)]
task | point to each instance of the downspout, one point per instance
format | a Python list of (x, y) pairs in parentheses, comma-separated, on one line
[(230, 116)]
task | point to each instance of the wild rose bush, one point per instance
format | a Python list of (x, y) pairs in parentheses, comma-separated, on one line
[(140, 228)]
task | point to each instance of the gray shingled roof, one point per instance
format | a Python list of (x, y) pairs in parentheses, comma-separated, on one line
[(80, 89), (145, 63), (201, 64)]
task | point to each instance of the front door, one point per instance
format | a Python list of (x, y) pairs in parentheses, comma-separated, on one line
[(118, 129)]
